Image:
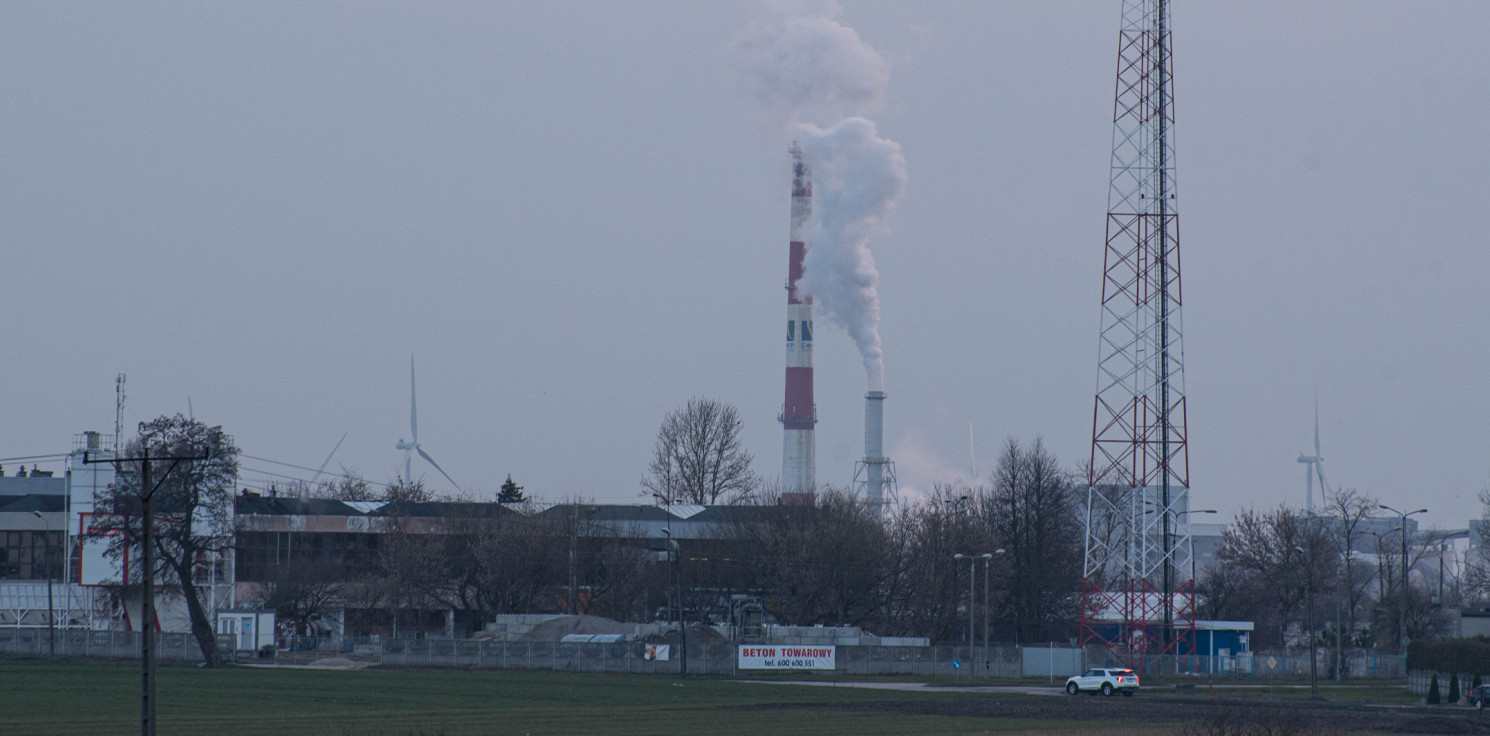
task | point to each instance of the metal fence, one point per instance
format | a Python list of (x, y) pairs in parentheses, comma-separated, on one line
[(1263, 664), (995, 661), (121, 644), (711, 659), (1002, 661)]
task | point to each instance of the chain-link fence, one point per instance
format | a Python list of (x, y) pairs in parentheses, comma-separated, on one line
[(122, 644), (999, 661), (711, 659)]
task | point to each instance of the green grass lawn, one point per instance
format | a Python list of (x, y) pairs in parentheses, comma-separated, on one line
[(40, 697)]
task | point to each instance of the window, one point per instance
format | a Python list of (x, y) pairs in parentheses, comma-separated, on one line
[(27, 555)]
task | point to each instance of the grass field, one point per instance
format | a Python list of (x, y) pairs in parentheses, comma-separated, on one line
[(39, 697)]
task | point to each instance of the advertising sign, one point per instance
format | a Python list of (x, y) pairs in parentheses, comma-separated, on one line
[(789, 657)]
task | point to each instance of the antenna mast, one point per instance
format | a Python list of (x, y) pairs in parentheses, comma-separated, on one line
[(119, 411), (1138, 497)]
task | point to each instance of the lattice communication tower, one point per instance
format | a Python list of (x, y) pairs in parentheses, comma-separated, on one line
[(1137, 591)]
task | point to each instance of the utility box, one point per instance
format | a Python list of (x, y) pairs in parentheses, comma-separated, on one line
[(251, 629)]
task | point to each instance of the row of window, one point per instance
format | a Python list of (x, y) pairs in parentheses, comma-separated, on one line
[(28, 555), (259, 553)]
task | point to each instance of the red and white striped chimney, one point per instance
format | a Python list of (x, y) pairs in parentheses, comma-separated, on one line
[(799, 413)]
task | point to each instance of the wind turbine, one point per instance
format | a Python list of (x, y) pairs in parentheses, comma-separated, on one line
[(1316, 467), (322, 469), (412, 446)]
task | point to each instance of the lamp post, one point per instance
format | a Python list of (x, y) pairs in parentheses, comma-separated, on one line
[(972, 603), (1404, 515), (1309, 614), (1212, 633), (47, 564), (672, 551), (987, 558)]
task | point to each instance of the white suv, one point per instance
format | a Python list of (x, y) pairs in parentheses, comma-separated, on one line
[(1104, 680)]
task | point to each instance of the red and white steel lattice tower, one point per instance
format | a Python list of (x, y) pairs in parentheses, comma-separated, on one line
[(798, 413), (1137, 598)]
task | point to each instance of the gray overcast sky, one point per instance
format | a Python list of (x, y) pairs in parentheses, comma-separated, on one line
[(576, 220)]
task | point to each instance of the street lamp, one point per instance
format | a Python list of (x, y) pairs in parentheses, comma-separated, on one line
[(972, 602), (1309, 614), (987, 558), (673, 550), (47, 564), (1211, 634), (1404, 516)]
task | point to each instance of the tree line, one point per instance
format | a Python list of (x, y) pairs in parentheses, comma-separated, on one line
[(835, 561)]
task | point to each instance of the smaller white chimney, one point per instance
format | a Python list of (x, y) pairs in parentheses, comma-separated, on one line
[(874, 447)]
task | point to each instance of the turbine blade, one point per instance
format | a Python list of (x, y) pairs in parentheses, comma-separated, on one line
[(431, 461), (1323, 487), (328, 459), (413, 405)]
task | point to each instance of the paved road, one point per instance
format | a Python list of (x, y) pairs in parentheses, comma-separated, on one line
[(921, 687)]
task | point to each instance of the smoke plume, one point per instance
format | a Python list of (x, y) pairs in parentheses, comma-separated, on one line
[(857, 176), (803, 65)]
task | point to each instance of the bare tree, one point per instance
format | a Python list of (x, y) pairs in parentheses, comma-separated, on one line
[(1399, 603), (193, 506), (826, 560), (349, 486), (1032, 510), (1279, 555), (300, 591), (1350, 508), (1222, 593), (410, 491), (521, 563), (1475, 583), (700, 456), (923, 587)]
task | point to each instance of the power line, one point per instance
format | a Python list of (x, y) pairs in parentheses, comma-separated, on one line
[(33, 457), (346, 476)]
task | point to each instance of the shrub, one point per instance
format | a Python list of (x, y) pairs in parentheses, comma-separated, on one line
[(1454, 688), (1433, 698), (1449, 655)]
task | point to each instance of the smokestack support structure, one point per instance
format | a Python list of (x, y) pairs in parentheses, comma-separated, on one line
[(798, 412), (875, 474)]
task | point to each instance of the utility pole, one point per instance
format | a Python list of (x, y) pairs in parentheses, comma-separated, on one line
[(148, 487)]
